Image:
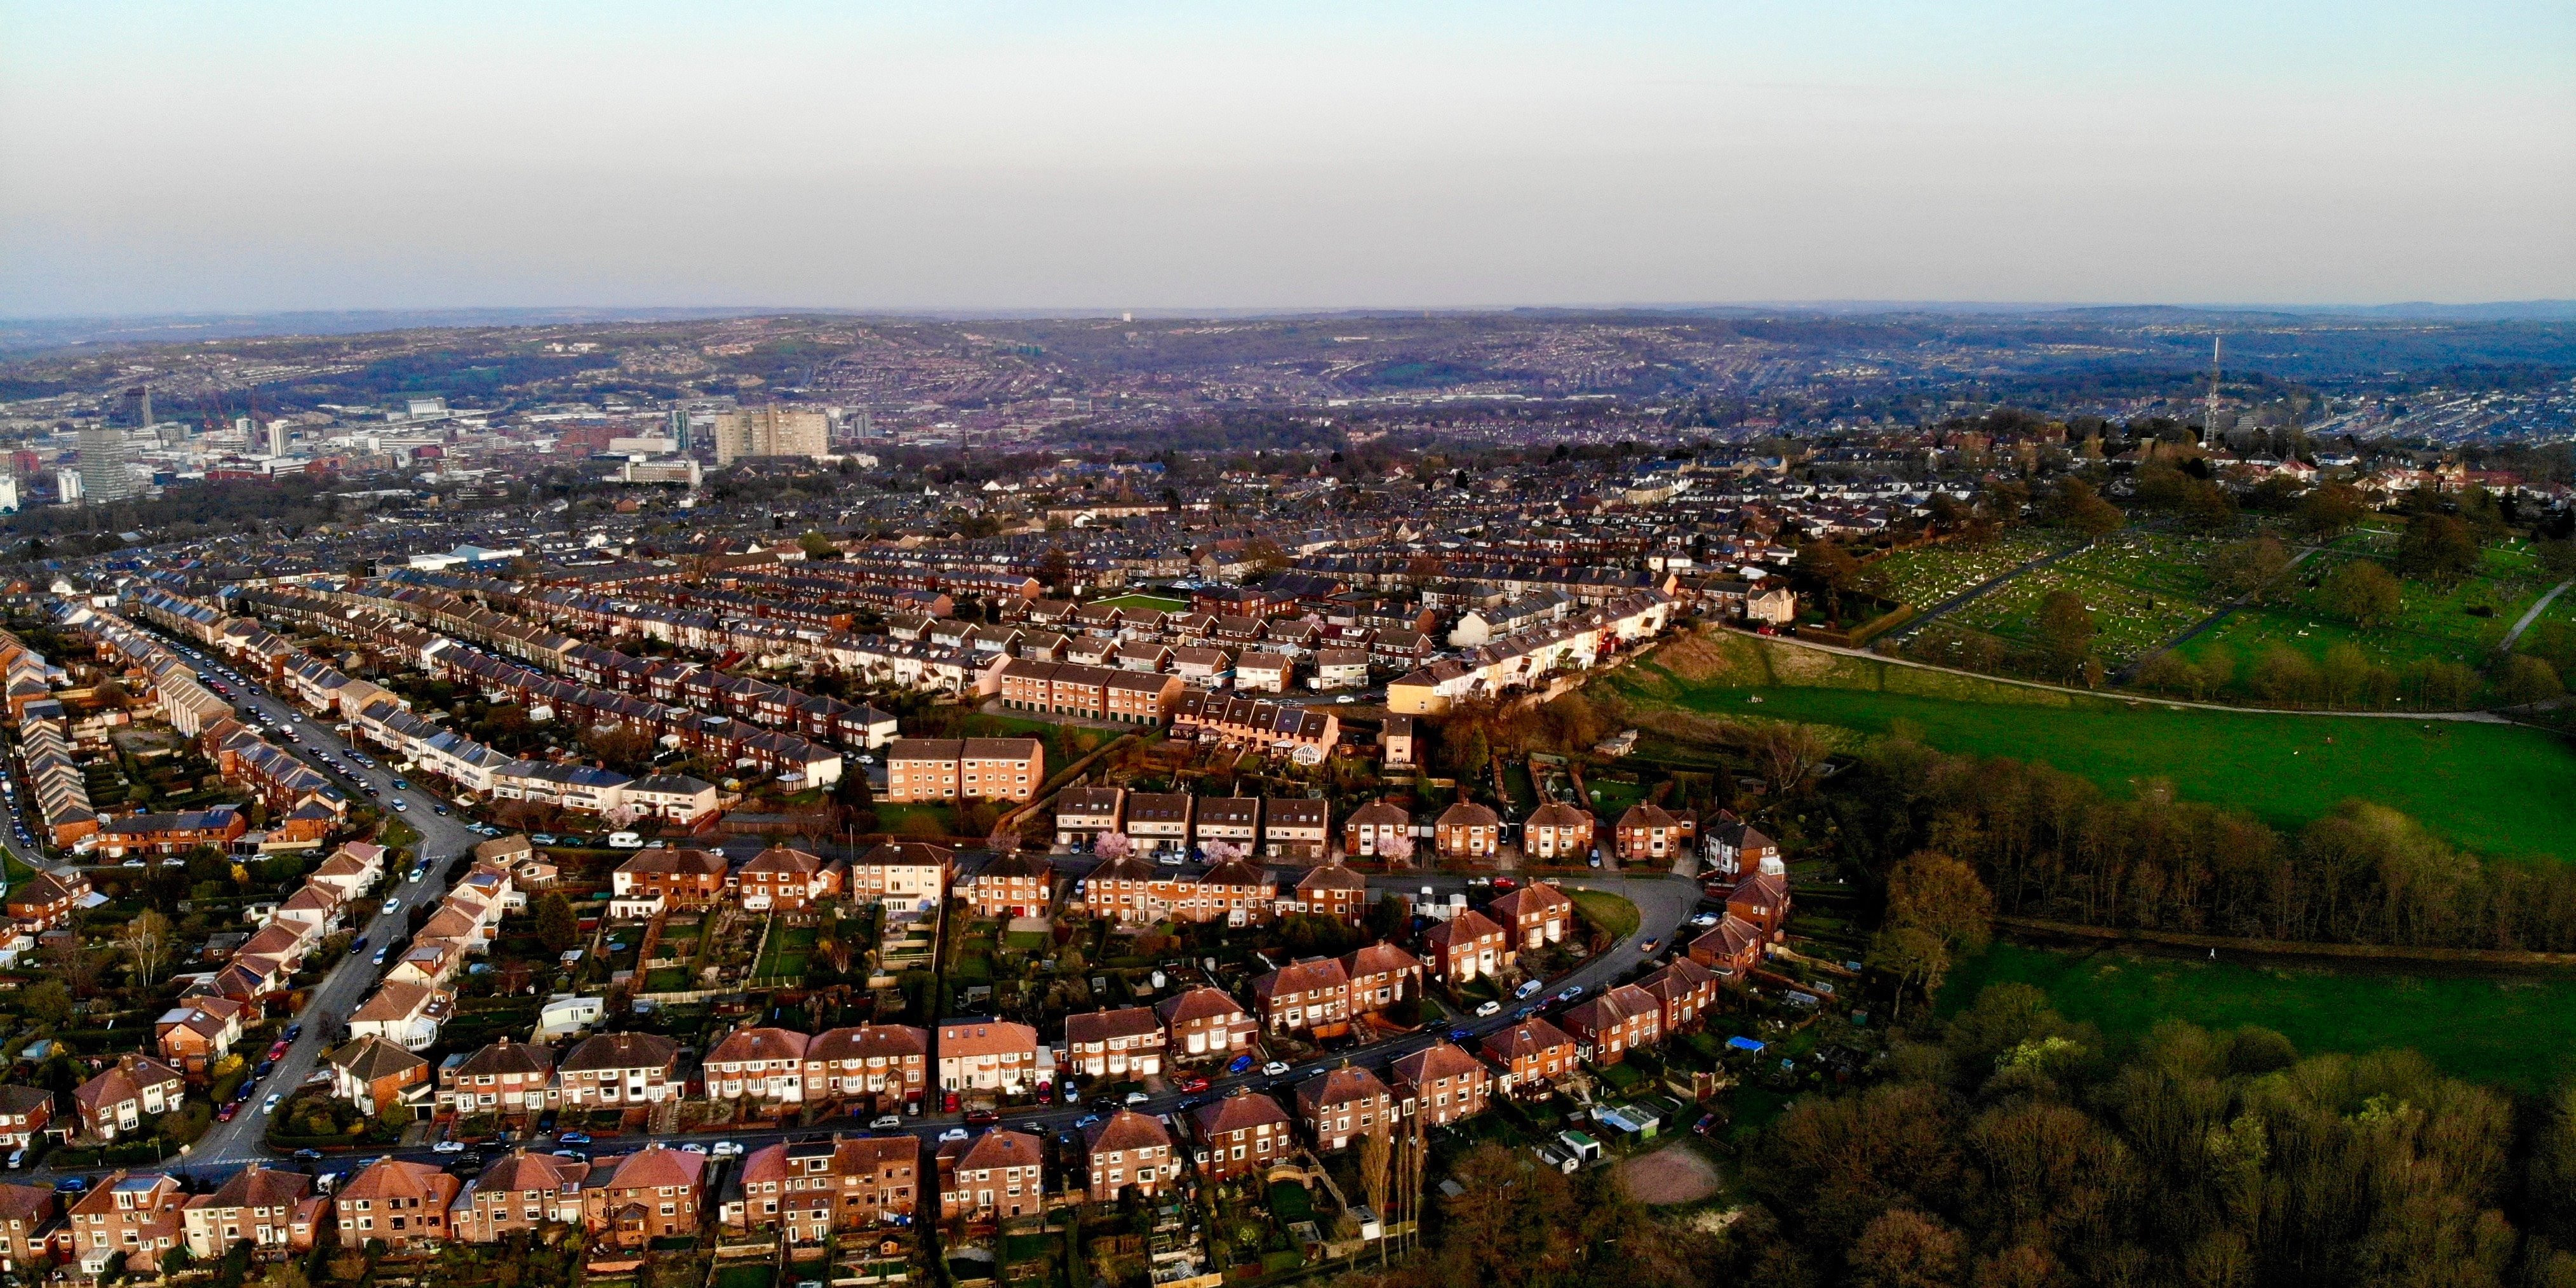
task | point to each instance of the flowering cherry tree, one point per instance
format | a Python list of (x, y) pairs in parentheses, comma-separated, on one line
[(1112, 845)]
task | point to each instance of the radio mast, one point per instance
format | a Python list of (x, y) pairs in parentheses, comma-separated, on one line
[(2209, 425)]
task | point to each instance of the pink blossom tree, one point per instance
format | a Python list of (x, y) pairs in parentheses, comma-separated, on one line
[(1112, 845), (1396, 850), (1221, 851)]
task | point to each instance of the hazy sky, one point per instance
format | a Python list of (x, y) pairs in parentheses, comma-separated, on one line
[(363, 153)]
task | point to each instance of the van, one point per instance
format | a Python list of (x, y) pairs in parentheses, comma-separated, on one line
[(625, 841)]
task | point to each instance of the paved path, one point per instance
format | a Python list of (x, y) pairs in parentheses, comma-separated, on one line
[(2203, 626), (2530, 617), (1963, 598)]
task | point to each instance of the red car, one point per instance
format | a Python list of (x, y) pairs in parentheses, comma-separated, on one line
[(982, 1117), (1194, 1083), (278, 1052), (225, 1114), (1506, 883)]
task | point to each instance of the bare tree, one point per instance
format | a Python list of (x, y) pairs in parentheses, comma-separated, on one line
[(1789, 752), (146, 941)]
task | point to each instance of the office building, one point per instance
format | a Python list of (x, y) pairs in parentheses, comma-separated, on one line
[(772, 431)]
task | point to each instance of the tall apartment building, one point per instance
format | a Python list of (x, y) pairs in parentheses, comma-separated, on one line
[(103, 474), (771, 431)]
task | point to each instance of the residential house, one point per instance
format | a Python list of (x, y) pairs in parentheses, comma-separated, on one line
[(681, 878), (1730, 948), (28, 1228), (133, 1214), (989, 1055), (787, 880), (24, 1114), (46, 900), (406, 1014), (1013, 885), (1127, 1150), (1532, 1054), (1683, 989), (1205, 1023), (404, 1204), (611, 1070), (1442, 1083), (879, 1066), (381, 1078), (1611, 1023), (1468, 831), (1535, 915), (118, 1099), (1083, 813), (1242, 1133), (1125, 1043), (255, 1205), (908, 877), (1159, 821), (1370, 829), (1761, 901), (1341, 1105), (1297, 829), (1381, 975), (1557, 833), (999, 1175), (1651, 835), (1314, 994), (757, 1063), (198, 1031), (812, 1189), (654, 1193), (1466, 946), (523, 1191), (1332, 890)]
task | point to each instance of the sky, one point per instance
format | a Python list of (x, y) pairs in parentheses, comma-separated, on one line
[(250, 156)]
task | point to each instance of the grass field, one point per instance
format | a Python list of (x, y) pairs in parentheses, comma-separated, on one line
[(1926, 575), (2144, 588), (2515, 1031), (2499, 789), (2463, 624), (1163, 602), (1607, 910)]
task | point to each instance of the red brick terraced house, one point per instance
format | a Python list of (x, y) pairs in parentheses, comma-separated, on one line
[(24, 1113), (998, 1176), (509, 1078), (255, 1205), (404, 1204), (1649, 835), (1341, 1105), (784, 879), (1442, 1083), (620, 1070), (1381, 975), (1205, 1024), (1614, 1022), (523, 1191), (1558, 833), (1533, 1055), (758, 1064), (683, 878), (1684, 989), (814, 1189), (136, 1214), (1536, 915), (1761, 900), (26, 1234), (654, 1193), (878, 1066), (1313, 995), (1242, 1133), (1332, 890), (988, 1055), (1013, 885), (1124, 1043), (1369, 828), (1730, 949), (1468, 831), (1466, 946), (1125, 1151)]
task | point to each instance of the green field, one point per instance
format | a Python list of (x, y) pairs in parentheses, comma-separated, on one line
[(1926, 575), (1162, 602), (2463, 624), (1608, 911), (2515, 1031), (2499, 789), (2144, 589)]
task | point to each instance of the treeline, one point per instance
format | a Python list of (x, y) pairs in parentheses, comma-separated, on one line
[(2017, 1149), (2052, 845)]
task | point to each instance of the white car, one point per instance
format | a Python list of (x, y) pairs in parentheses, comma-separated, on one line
[(1274, 1068), (887, 1122), (1135, 1098), (269, 1106), (392, 906), (448, 1147), (952, 1135), (693, 1147), (728, 1149), (1704, 920), (1490, 1008), (402, 807)]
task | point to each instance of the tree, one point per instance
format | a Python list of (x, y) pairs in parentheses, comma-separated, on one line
[(2361, 590), (146, 942), (558, 928), (2066, 631), (2075, 505), (1055, 569), (1397, 850), (817, 546), (2438, 550), (1913, 956), (1112, 845), (2250, 569), (287, 1274), (1905, 1249), (2526, 680), (1936, 893), (2330, 508), (48, 1002), (1788, 753), (1828, 564)]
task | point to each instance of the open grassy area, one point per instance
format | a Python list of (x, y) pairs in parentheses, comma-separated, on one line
[(1606, 910), (1926, 575), (1163, 602), (2513, 1031), (2499, 789)]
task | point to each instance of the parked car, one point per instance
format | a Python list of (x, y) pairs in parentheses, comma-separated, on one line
[(1572, 991), (952, 1135), (982, 1117), (380, 954), (1490, 1008), (887, 1122), (728, 1149), (393, 905), (1195, 1082), (1649, 947), (542, 838), (269, 1106), (402, 807), (448, 1147), (1135, 1098), (1506, 883), (1274, 1068), (1528, 987), (296, 1030), (1704, 920), (573, 1138)]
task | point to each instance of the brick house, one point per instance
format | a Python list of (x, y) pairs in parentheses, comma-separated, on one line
[(1127, 1150), (509, 1078), (1465, 946), (523, 1191), (757, 1063), (1442, 1083), (1205, 1023), (880, 1066), (1310, 995), (1123, 1043), (1298, 829), (1242, 1132), (905, 876), (1083, 813), (381, 1078), (1159, 821), (614, 1070), (1368, 829), (117, 1100), (46, 900), (1683, 989), (1558, 833), (987, 1055), (1341, 1105), (997, 1176), (133, 1213), (812, 1189), (682, 878), (24, 1114), (1650, 835), (404, 1204), (27, 1221), (1235, 820), (1332, 890), (1381, 975), (1237, 892), (787, 880), (654, 1193), (1534, 915), (1611, 1023), (1013, 885), (256, 1204), (1761, 901), (1126, 890), (197, 1032), (1533, 1054), (1468, 831), (1730, 948)]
